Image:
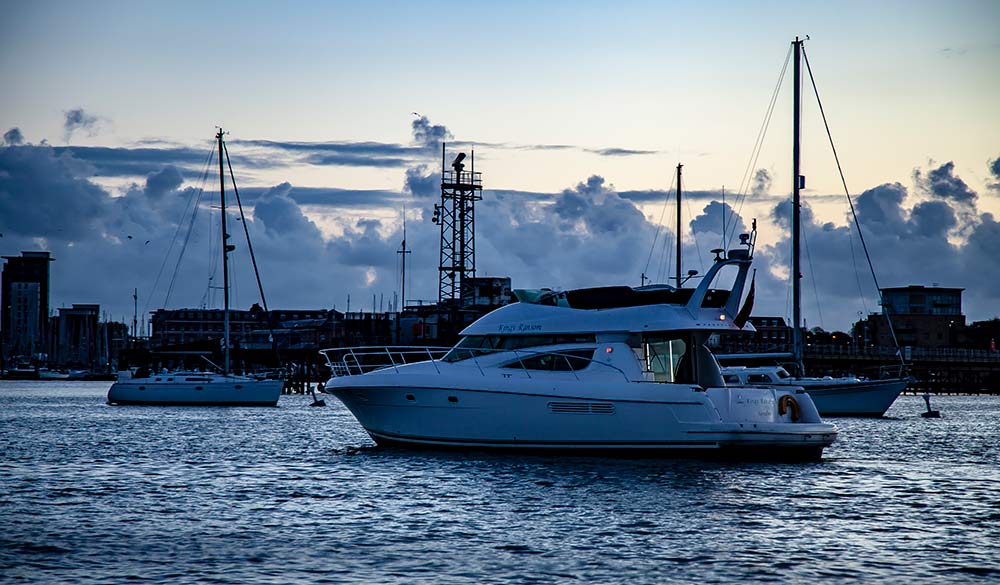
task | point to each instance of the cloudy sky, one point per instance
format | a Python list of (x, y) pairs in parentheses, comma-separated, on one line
[(578, 113)]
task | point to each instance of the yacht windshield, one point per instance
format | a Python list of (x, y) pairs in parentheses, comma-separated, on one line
[(475, 345), (668, 359)]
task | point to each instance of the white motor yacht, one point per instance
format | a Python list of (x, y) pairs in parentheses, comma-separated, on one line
[(612, 369)]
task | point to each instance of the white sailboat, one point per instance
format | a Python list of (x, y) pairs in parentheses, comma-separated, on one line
[(843, 396), (186, 388)]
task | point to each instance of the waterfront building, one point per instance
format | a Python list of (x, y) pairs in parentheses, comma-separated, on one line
[(250, 329), (922, 316), (77, 335), (486, 291), (24, 294), (773, 334)]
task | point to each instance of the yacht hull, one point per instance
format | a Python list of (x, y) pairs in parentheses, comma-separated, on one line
[(215, 393), (649, 421)]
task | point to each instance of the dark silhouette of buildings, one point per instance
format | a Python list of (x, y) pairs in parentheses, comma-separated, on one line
[(77, 336), (25, 298)]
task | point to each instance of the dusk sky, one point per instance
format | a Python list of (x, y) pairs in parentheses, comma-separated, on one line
[(578, 113)]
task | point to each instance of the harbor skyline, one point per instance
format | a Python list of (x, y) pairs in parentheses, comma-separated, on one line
[(577, 121)]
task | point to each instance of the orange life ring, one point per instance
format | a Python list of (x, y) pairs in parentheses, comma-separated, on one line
[(788, 402)]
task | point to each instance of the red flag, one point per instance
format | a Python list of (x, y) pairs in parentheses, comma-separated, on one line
[(744, 315)]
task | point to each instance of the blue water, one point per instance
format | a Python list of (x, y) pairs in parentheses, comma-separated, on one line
[(91, 493)]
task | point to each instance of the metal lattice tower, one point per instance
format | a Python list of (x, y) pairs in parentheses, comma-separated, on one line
[(456, 214)]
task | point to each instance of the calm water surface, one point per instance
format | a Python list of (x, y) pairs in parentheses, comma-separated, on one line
[(95, 493)]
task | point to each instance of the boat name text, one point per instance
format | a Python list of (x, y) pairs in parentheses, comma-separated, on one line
[(520, 328)]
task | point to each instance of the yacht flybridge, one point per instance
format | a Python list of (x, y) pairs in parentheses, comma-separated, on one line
[(611, 369)]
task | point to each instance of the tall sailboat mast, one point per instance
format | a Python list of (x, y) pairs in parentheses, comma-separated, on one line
[(403, 252), (225, 260), (679, 166), (798, 181)]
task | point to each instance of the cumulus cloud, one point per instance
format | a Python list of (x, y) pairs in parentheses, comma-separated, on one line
[(994, 167), (911, 241), (40, 194), (422, 182), (13, 137), (429, 136), (78, 120), (942, 182), (589, 234), (280, 215), (166, 180)]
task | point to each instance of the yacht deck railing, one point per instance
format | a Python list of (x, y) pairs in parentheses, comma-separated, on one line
[(354, 361)]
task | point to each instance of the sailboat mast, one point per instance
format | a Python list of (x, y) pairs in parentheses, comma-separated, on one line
[(404, 252), (225, 260), (679, 224), (135, 316), (797, 184)]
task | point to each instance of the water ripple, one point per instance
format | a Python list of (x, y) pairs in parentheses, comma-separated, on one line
[(97, 494)]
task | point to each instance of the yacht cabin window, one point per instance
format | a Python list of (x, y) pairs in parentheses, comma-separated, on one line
[(476, 345), (556, 361), (759, 379)]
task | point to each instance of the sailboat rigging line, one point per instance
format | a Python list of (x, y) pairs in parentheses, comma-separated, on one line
[(857, 273), (659, 225), (253, 257), (723, 242), (665, 264), (812, 271), (180, 256), (854, 215), (192, 197), (187, 236), (744, 185), (246, 231), (697, 246)]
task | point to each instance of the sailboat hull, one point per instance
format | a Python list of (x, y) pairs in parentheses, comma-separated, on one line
[(195, 391), (865, 398)]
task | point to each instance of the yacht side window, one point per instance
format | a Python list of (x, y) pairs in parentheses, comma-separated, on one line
[(558, 361), (759, 379), (782, 374), (669, 360), (731, 379)]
